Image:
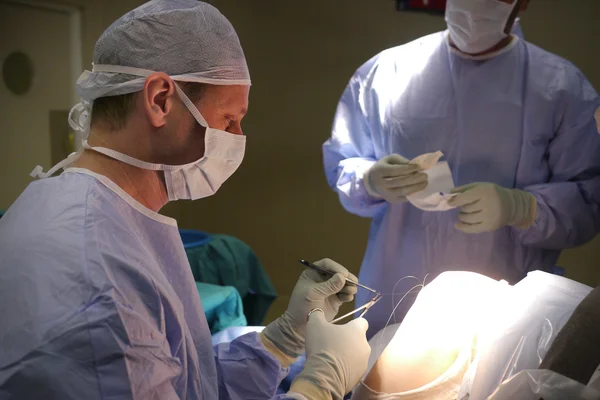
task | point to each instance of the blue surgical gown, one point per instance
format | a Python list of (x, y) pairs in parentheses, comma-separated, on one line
[(97, 301), (523, 119)]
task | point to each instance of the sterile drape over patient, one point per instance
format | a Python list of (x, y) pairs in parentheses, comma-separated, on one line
[(466, 334)]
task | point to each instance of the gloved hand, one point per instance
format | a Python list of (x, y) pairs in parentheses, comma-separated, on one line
[(393, 178), (313, 290), (485, 207), (337, 357)]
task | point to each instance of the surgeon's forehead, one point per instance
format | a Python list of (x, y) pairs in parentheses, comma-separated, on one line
[(229, 96)]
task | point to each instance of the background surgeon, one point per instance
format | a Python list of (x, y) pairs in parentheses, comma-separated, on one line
[(516, 126)]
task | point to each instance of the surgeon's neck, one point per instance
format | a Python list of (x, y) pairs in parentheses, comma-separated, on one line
[(502, 44), (145, 186)]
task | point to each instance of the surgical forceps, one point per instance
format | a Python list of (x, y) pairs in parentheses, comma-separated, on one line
[(331, 273), (364, 307)]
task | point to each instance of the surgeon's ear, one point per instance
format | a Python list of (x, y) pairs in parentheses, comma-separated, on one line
[(159, 93)]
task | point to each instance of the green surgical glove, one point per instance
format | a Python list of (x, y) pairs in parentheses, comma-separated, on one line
[(485, 207), (393, 178)]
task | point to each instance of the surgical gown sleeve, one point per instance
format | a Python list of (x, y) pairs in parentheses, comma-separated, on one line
[(350, 151), (247, 370), (568, 206), (105, 351)]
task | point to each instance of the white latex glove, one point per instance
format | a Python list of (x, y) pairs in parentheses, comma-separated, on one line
[(485, 207), (393, 178), (313, 290), (337, 357)]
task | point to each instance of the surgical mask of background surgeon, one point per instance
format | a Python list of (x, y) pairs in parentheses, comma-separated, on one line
[(477, 25), (223, 154)]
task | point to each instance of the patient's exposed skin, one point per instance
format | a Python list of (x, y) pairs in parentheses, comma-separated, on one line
[(419, 364), (439, 326)]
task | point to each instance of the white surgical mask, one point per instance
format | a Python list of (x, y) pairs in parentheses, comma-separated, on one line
[(223, 153), (477, 25)]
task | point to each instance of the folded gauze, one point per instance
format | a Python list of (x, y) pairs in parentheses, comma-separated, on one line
[(437, 193)]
